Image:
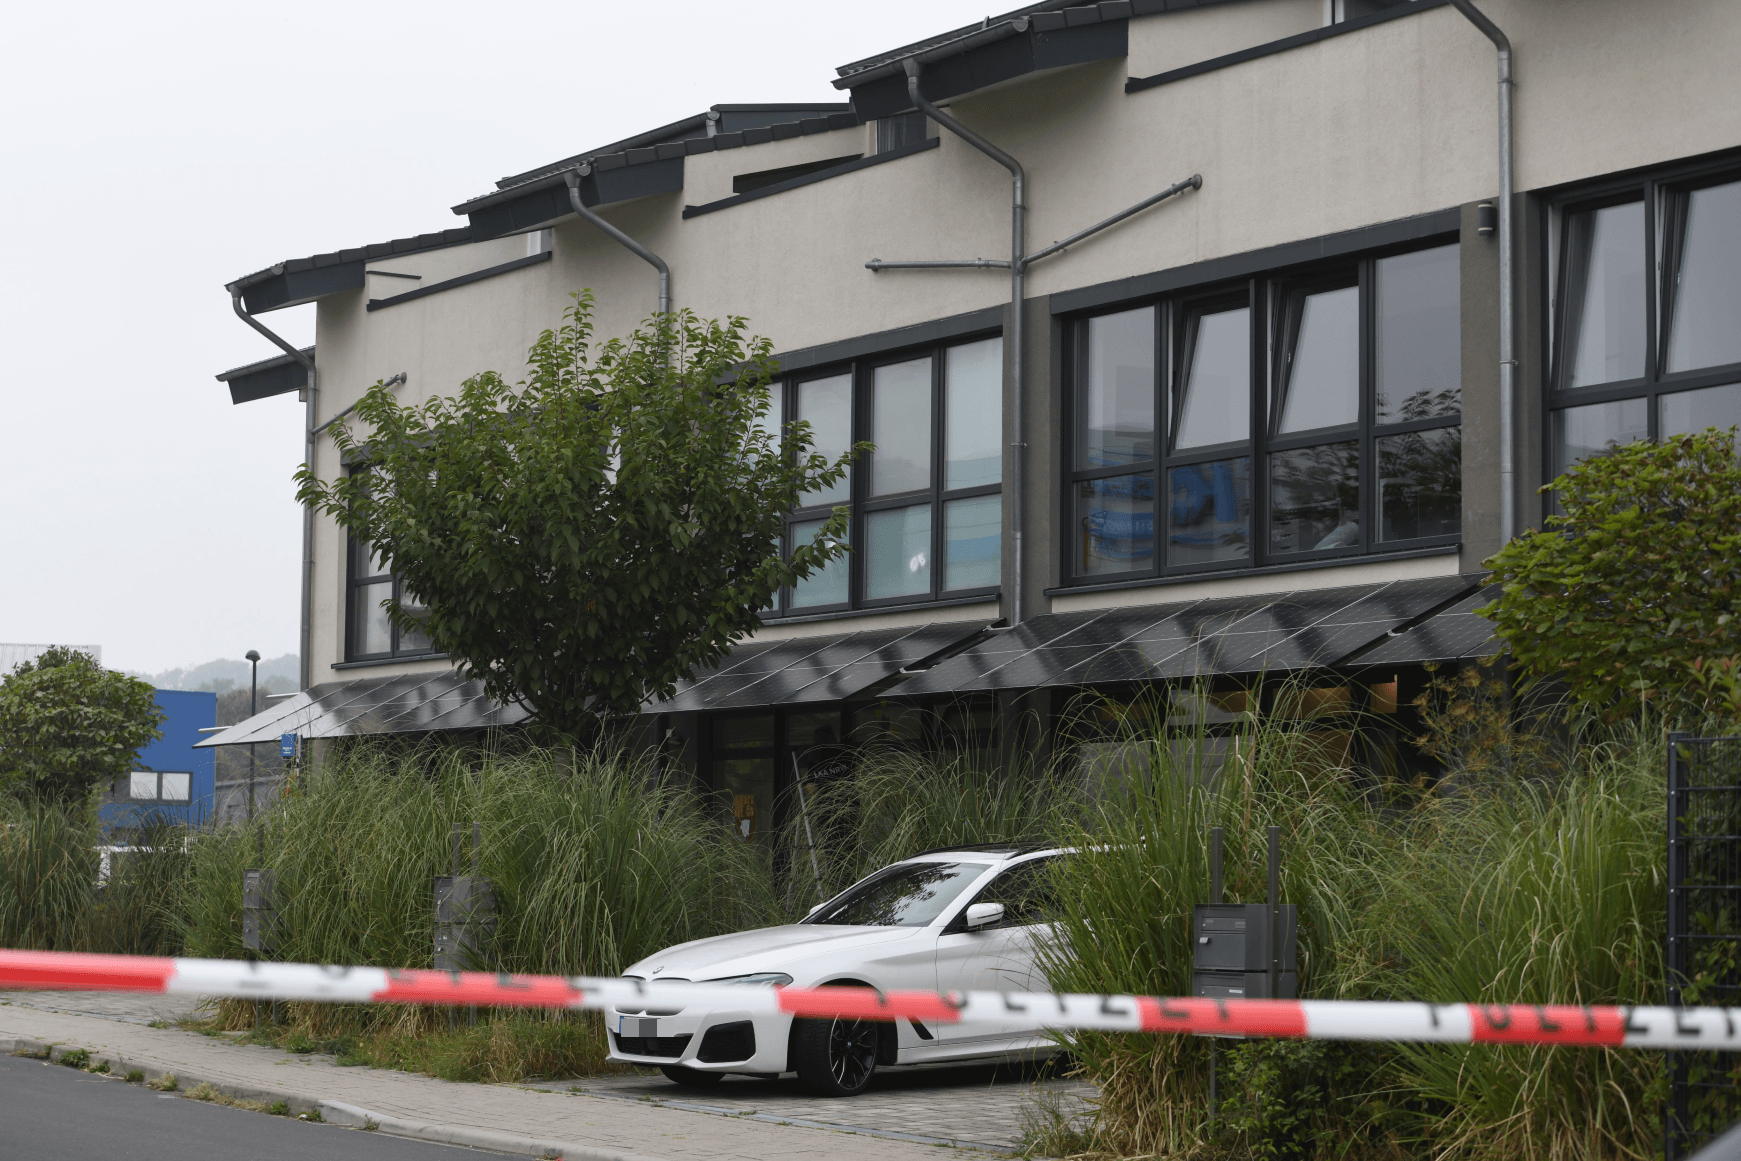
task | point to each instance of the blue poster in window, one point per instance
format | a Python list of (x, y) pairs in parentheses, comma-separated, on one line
[(287, 745)]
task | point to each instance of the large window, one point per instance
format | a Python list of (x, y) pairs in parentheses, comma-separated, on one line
[(1288, 418), (927, 505), (371, 636), (1639, 356)]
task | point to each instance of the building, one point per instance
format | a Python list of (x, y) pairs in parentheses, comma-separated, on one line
[(1416, 259), (171, 781)]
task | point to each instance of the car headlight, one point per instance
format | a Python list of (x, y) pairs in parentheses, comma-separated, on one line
[(774, 979)]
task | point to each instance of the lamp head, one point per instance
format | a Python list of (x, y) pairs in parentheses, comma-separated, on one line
[(252, 655)]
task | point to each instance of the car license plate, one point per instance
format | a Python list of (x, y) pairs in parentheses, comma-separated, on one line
[(637, 1026)]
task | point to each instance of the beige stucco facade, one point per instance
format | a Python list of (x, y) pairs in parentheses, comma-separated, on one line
[(1383, 123)]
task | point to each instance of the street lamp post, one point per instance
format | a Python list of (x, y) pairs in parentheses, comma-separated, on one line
[(253, 656)]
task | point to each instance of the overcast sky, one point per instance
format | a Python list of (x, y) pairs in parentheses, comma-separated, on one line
[(155, 152)]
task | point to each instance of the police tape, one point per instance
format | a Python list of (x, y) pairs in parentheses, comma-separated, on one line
[(1607, 1026)]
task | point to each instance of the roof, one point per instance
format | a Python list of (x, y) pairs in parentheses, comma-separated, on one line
[(299, 280), (539, 196)]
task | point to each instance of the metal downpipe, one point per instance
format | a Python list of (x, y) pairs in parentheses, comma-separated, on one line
[(573, 177), (305, 663), (1018, 288), (1507, 299)]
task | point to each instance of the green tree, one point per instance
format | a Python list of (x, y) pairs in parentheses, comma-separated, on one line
[(586, 538), (67, 725), (1637, 581)]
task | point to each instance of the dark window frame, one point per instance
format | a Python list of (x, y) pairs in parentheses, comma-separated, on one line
[(862, 372), (1265, 295), (1665, 193), (355, 550)]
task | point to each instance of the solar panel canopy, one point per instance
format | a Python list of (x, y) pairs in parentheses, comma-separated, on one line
[(809, 670), (406, 704), (1219, 635)]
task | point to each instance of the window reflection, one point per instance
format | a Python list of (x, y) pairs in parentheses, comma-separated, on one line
[(901, 427), (1419, 335), (827, 587), (1115, 420), (374, 631), (1209, 512), (1216, 407), (898, 552), (1420, 484), (1688, 411), (907, 895), (973, 538), (826, 405), (1581, 432), (1707, 293), (1115, 524), (1315, 498), (1605, 295), (973, 410), (1321, 370)]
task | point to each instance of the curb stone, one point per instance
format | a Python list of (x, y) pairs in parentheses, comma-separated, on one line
[(331, 1112), (339, 1113)]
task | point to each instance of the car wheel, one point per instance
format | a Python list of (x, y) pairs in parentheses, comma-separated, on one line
[(690, 1077), (835, 1057)]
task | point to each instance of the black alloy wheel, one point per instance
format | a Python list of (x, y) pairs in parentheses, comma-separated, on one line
[(836, 1057)]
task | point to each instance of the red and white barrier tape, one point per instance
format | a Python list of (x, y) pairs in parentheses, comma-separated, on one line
[(1302, 1019)]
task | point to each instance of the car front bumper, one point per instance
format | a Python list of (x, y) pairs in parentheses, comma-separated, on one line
[(687, 1037)]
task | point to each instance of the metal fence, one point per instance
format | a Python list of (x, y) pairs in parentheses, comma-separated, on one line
[(1704, 929)]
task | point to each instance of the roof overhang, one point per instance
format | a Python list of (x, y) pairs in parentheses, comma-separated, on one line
[(275, 376), (303, 280), (991, 55), (418, 703), (543, 201)]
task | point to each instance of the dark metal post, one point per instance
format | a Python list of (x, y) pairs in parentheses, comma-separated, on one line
[(1215, 866), (253, 655), (1675, 951), (1275, 909)]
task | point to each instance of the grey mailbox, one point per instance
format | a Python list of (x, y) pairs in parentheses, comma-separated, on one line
[(1230, 953), (1237, 949)]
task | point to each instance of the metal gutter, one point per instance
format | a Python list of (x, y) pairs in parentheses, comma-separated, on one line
[(311, 397), (1507, 298), (1018, 264), (573, 177)]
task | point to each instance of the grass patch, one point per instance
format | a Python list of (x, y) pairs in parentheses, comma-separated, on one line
[(75, 1058), (135, 1076), (504, 1046), (164, 1083)]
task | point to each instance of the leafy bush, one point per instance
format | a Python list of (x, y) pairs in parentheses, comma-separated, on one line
[(1640, 577), (67, 725)]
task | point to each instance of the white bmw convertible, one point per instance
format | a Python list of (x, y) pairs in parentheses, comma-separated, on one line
[(959, 919)]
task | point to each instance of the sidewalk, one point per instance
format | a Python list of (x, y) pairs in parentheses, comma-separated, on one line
[(615, 1119)]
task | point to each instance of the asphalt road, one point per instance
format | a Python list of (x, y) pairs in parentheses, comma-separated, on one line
[(50, 1111)]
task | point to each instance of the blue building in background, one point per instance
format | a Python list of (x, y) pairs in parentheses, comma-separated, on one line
[(170, 780)]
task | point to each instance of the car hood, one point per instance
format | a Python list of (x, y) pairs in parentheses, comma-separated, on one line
[(767, 949)]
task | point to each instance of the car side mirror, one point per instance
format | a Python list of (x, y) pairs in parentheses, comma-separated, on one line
[(984, 915)]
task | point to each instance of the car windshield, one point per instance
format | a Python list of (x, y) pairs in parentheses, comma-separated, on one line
[(907, 895)]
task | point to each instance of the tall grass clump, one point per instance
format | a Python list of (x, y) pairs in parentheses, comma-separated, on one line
[(54, 896), (1538, 884), (48, 874), (594, 858), (898, 802)]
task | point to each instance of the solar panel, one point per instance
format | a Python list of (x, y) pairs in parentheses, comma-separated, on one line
[(1232, 635), (1452, 635)]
